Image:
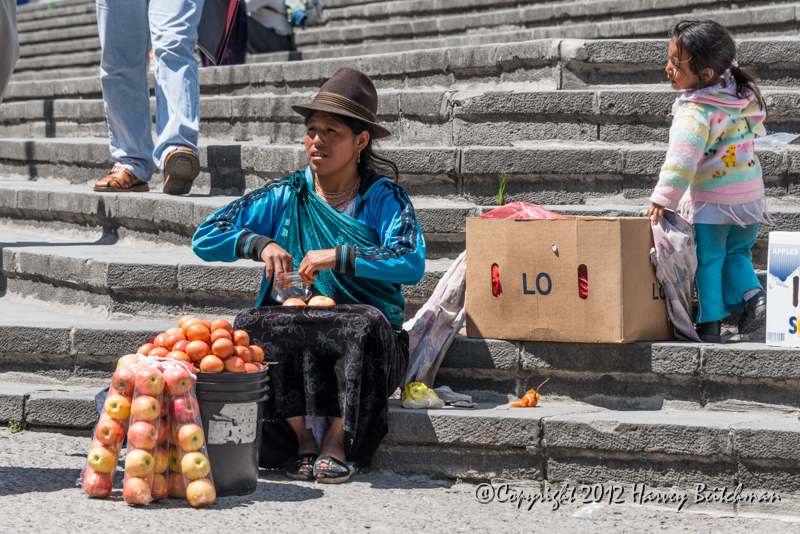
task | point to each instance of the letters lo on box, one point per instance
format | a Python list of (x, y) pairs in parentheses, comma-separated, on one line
[(541, 298), (783, 289)]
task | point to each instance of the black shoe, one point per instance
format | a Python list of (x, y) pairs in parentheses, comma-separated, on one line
[(709, 332), (301, 467), (754, 310)]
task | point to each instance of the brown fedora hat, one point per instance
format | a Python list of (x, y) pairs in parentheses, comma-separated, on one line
[(350, 93)]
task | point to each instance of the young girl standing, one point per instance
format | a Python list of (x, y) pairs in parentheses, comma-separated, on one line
[(711, 156)]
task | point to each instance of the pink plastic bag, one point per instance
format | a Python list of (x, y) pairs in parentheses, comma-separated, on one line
[(522, 210)]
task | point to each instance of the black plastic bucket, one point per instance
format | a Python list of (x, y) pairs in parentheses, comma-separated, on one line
[(232, 409)]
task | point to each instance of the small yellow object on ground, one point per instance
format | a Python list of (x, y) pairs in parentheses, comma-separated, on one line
[(417, 395)]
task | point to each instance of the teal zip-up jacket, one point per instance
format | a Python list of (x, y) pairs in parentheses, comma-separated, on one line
[(244, 227)]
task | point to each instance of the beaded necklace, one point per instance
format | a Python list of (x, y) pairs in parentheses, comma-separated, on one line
[(337, 200)]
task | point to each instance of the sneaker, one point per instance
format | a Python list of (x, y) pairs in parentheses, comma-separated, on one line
[(754, 311), (710, 332), (180, 169)]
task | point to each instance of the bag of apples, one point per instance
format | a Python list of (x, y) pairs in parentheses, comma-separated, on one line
[(109, 433), (162, 432)]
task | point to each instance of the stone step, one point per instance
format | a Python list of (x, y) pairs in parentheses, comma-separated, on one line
[(68, 344), (89, 44), (555, 442), (417, 117), (547, 64), (583, 444), (597, 18), (164, 220), (118, 278), (73, 60), (87, 17), (65, 33), (551, 172), (59, 9)]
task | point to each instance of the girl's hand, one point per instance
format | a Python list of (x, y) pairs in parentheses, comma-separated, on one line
[(655, 212), (316, 260), (276, 260)]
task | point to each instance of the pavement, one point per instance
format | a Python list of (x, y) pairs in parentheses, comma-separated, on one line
[(37, 494)]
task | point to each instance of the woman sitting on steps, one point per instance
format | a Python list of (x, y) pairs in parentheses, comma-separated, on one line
[(355, 236)]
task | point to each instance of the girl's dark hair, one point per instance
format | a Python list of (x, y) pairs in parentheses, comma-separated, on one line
[(709, 45), (370, 161)]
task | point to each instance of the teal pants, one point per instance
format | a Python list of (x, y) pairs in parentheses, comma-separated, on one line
[(724, 268)]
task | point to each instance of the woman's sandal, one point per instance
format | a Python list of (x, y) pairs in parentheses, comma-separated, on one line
[(301, 467), (329, 470), (121, 180)]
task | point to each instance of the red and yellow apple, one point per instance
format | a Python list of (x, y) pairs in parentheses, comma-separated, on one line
[(109, 432), (149, 381), (184, 409), (145, 408), (190, 437), (159, 487), (195, 465), (124, 380), (178, 380), (97, 484), (321, 300), (174, 460), (136, 491), (201, 492), (118, 407), (102, 459), (139, 463), (142, 435), (163, 430), (175, 487), (160, 456)]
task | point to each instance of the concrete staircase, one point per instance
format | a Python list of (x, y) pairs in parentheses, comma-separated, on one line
[(578, 125)]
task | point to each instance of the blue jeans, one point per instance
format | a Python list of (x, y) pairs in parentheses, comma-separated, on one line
[(724, 268), (127, 27)]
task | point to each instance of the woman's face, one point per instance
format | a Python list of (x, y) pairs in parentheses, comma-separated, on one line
[(678, 69), (331, 146)]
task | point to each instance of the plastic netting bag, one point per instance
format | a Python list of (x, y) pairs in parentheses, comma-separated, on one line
[(417, 395), (522, 210)]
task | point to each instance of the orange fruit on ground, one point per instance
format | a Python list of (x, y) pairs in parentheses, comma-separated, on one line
[(257, 352), (184, 319), (145, 349), (220, 333), (244, 353), (223, 348), (223, 324), (211, 364), (174, 331), (240, 337), (234, 364), (207, 324), (197, 350), (251, 368), (198, 332), (189, 322)]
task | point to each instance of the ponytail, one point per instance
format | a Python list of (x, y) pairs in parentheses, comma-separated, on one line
[(746, 85)]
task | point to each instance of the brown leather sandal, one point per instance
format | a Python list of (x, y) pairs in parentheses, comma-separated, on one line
[(121, 180), (180, 169)]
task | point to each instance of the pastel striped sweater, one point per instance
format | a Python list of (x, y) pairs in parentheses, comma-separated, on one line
[(711, 153)]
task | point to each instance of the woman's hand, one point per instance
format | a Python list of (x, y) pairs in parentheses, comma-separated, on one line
[(316, 260), (655, 212), (276, 259)]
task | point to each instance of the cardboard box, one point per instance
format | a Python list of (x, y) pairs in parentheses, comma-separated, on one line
[(540, 298), (783, 288)]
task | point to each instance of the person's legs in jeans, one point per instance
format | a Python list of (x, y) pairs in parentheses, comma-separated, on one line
[(173, 27), (124, 39), (738, 274), (710, 242)]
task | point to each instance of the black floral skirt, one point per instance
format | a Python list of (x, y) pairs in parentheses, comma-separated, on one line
[(343, 361)]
